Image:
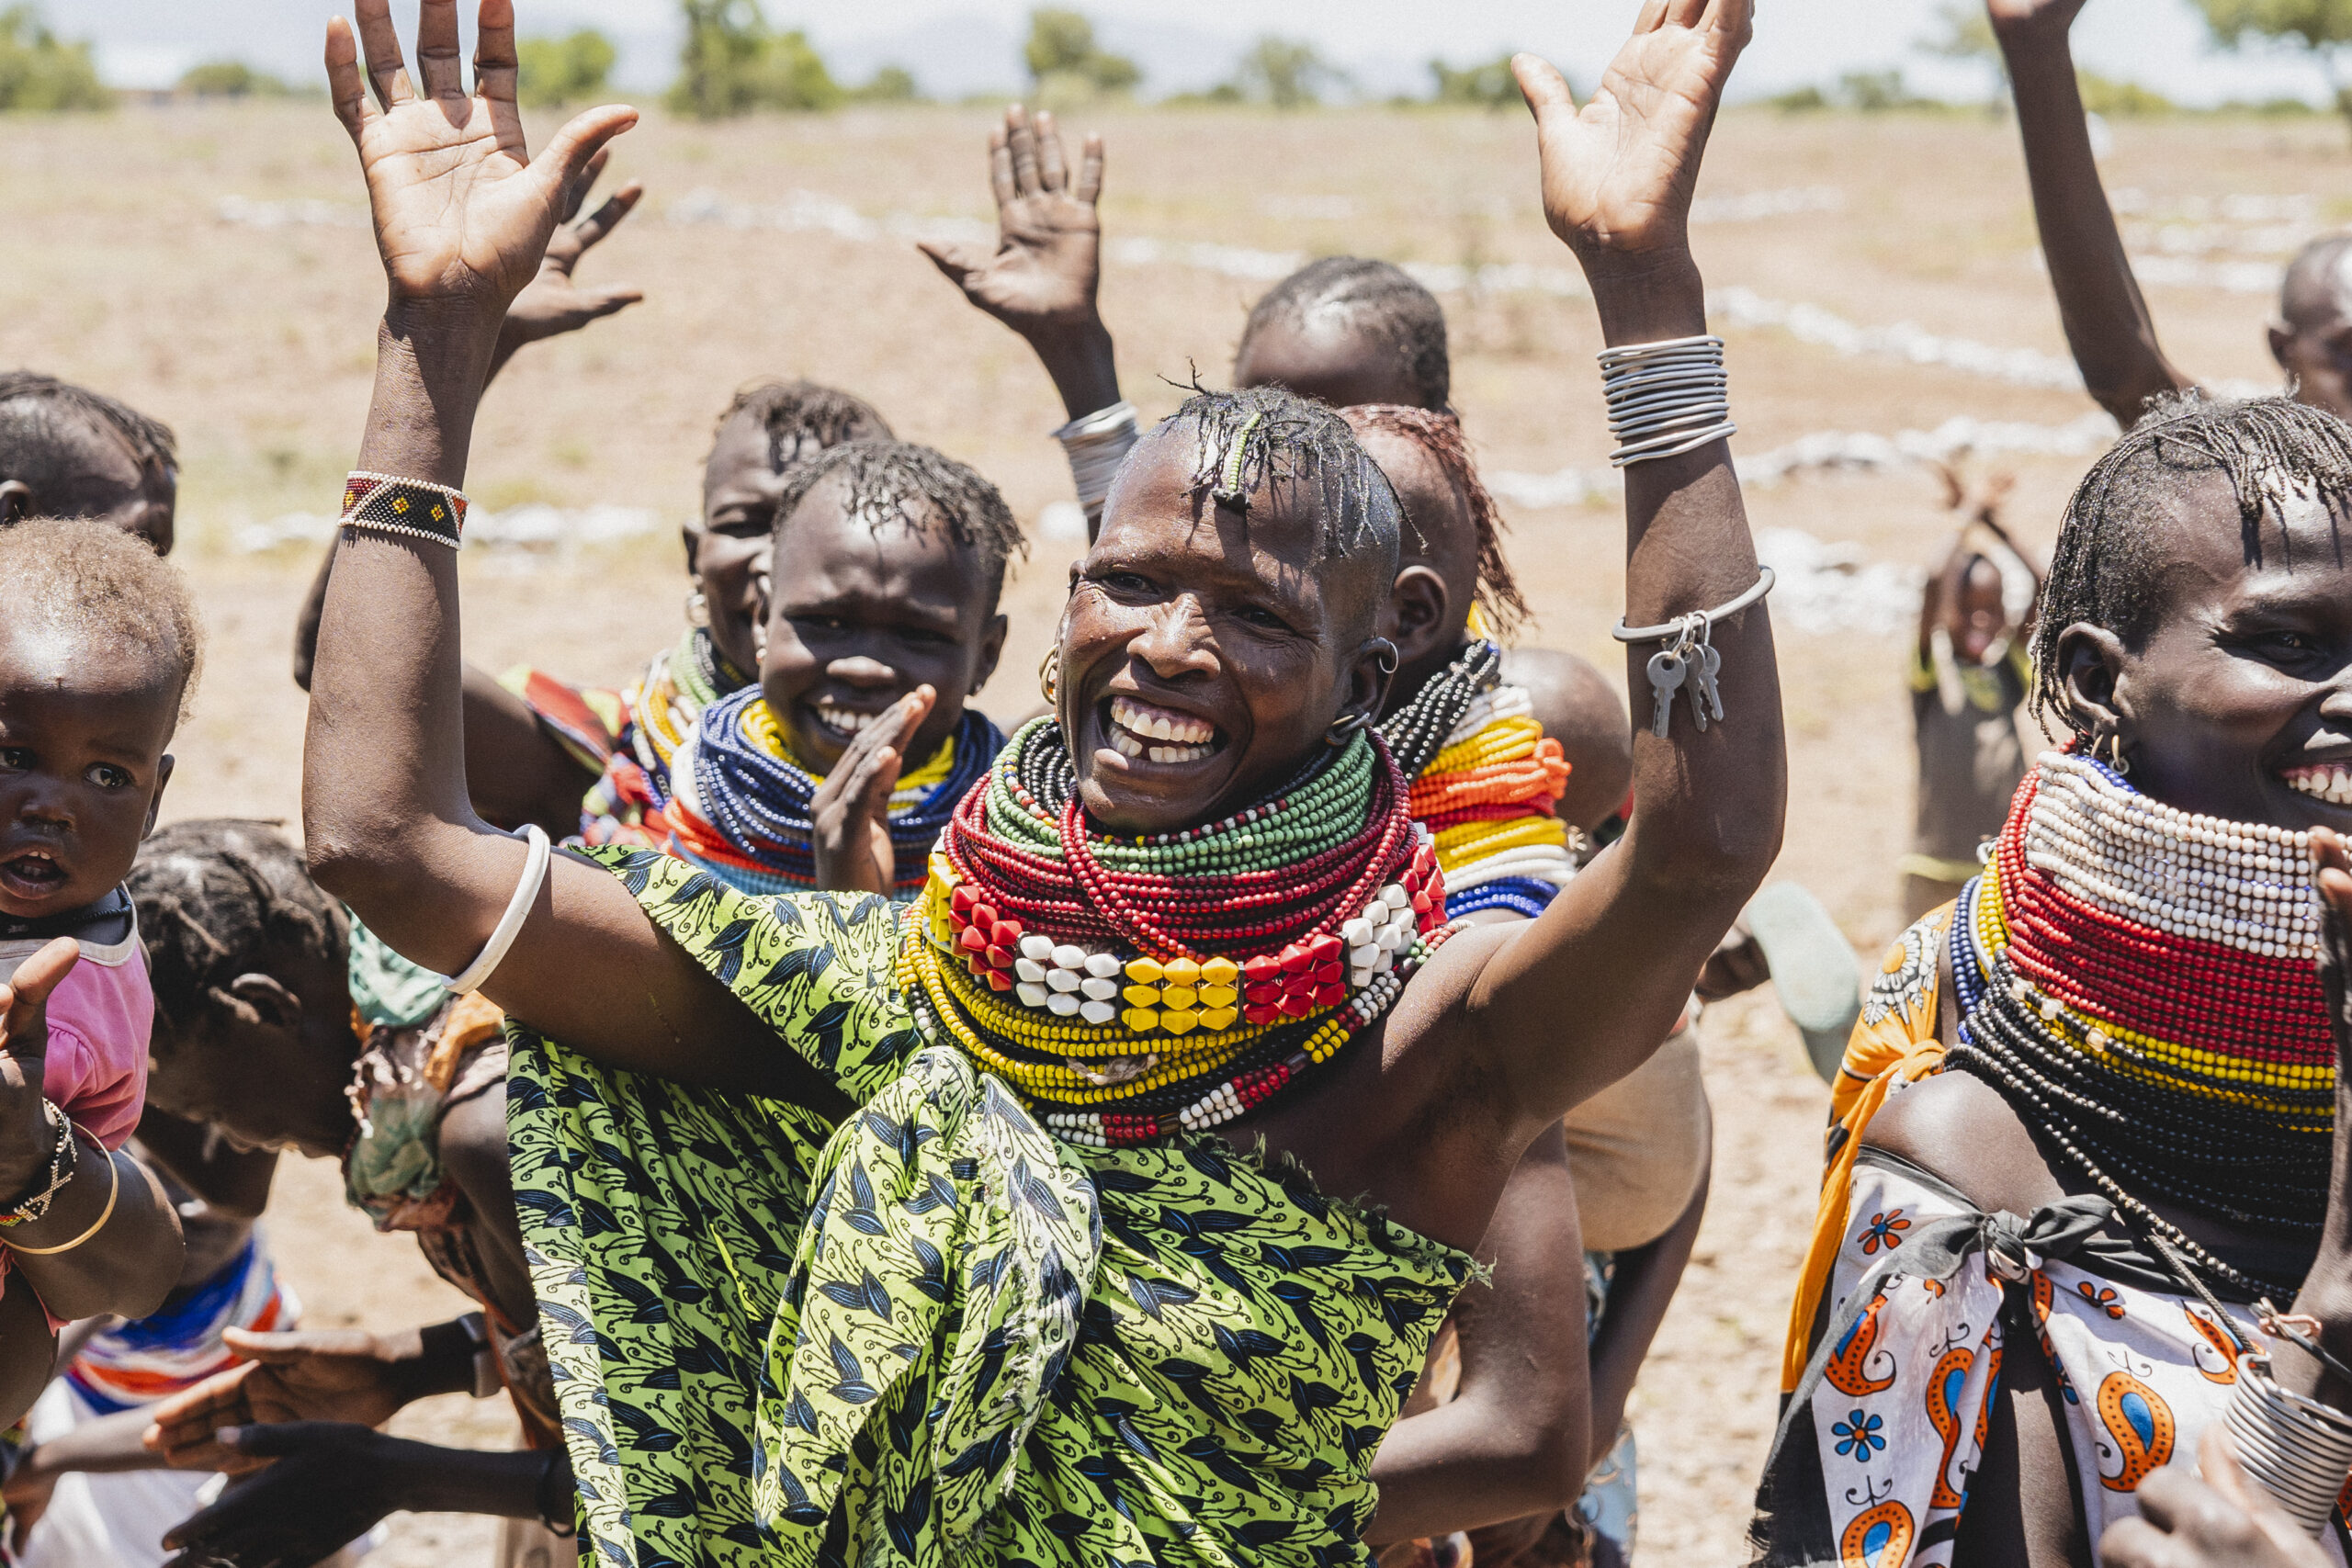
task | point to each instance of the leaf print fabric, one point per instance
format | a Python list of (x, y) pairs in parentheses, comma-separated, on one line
[(933, 1333)]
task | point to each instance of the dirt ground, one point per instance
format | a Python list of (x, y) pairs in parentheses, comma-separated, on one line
[(119, 268)]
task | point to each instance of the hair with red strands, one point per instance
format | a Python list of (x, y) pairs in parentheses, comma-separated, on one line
[(1439, 434)]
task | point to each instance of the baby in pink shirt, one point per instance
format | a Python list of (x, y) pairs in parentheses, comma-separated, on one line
[(98, 648)]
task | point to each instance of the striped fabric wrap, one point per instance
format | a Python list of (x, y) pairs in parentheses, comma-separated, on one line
[(137, 1363)]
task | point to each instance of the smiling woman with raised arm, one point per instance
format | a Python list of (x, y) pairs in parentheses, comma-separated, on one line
[(1005, 1231), (2088, 1196)]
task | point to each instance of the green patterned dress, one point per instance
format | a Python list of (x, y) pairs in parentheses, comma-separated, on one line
[(934, 1334)]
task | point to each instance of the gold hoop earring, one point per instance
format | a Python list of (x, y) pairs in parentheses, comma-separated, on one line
[(1049, 673), (2115, 757)]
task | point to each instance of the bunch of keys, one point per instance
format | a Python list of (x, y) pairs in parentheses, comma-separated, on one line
[(1690, 659)]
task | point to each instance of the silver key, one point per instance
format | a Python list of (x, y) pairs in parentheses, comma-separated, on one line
[(1667, 673), (1705, 699)]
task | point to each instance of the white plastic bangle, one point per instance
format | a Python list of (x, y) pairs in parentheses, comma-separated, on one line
[(518, 909)]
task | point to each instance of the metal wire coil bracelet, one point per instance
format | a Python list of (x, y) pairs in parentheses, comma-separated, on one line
[(1666, 398), (1689, 656), (2297, 1449)]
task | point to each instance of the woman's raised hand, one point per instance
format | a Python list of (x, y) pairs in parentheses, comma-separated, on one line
[(1041, 277), (1618, 174), (462, 210)]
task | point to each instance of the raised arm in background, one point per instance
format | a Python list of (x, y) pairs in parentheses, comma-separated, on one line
[(2106, 321), (1042, 278), (462, 214)]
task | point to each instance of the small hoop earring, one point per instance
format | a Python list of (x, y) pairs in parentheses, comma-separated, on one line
[(1049, 673), (2115, 757), (1384, 655), (697, 608), (1343, 727)]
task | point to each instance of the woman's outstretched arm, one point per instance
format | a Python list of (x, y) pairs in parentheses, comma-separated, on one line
[(1563, 1005), (2106, 321), (462, 214)]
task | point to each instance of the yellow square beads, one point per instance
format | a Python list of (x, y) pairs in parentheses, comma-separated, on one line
[(1220, 972), (1216, 1020), (1176, 996), (1218, 996)]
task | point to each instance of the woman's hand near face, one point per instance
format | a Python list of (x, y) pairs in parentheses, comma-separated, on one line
[(1042, 278), (850, 815)]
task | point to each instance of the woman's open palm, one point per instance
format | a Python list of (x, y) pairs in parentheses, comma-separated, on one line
[(462, 211), (1618, 174)]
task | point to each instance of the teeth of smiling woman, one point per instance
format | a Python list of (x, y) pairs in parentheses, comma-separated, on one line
[(842, 719), (2331, 782), (1191, 735)]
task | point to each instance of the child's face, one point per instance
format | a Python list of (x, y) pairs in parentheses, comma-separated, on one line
[(83, 722), (1980, 616), (861, 616), (739, 485), (1327, 359)]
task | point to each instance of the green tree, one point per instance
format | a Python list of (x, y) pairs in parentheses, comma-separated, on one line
[(889, 85), (560, 71), (42, 73), (2103, 95), (733, 64), (1491, 85), (1065, 61), (231, 79), (1289, 73), (2323, 28)]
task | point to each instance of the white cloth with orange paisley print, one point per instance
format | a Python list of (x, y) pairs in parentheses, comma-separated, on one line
[(1898, 1417)]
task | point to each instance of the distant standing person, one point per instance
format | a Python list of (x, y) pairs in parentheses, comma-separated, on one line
[(1969, 677), (2107, 320)]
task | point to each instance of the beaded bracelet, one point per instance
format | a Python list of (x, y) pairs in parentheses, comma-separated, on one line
[(385, 503), (65, 1160), (1096, 444), (1665, 399)]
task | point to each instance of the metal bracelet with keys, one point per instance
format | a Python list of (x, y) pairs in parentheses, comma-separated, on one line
[(1687, 658)]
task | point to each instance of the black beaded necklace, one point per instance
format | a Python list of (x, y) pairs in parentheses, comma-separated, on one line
[(1417, 731)]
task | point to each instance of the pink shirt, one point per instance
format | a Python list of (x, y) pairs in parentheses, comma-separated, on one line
[(99, 1019)]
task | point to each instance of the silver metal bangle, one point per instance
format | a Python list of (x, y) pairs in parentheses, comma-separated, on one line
[(1096, 446), (2297, 1449), (1664, 629)]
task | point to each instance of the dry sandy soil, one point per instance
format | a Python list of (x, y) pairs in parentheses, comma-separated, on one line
[(116, 270)]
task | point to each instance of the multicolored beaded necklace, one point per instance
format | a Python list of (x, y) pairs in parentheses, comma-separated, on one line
[(2140, 983), (626, 804), (1131, 988), (1483, 786), (741, 805)]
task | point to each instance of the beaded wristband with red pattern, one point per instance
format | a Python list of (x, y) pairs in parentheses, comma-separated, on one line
[(384, 503)]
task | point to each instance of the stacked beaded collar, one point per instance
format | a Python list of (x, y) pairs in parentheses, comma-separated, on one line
[(1485, 776), (1131, 988), (2140, 982), (681, 680), (741, 806)]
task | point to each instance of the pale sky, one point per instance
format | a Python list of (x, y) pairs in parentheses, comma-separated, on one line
[(2161, 43)]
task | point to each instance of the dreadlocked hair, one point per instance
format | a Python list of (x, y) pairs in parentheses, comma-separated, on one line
[(803, 418), (897, 482), (45, 423), (1378, 297), (1262, 438), (89, 576), (223, 897), (2107, 565), (1439, 434)]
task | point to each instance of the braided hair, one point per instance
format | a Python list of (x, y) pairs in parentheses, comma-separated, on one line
[(1376, 296), (222, 897), (44, 423), (1262, 438), (2108, 567), (897, 482), (1439, 434), (803, 418)]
